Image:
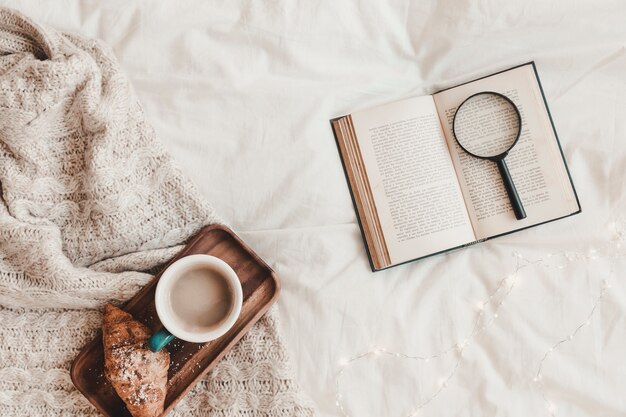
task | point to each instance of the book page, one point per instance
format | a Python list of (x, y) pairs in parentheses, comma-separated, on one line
[(413, 181), (535, 162)]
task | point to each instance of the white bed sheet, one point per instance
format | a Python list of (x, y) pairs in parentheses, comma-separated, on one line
[(241, 93)]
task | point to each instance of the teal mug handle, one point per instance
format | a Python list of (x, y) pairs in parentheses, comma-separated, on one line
[(160, 339)]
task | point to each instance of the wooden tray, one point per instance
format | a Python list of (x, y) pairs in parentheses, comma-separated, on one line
[(189, 361)]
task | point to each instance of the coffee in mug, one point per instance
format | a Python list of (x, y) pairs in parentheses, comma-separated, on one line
[(198, 299)]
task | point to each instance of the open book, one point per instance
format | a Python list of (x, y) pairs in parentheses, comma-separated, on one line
[(417, 193)]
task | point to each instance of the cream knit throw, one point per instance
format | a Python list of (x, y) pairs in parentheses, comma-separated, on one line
[(90, 202)]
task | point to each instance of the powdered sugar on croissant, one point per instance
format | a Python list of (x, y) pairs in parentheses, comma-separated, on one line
[(138, 375)]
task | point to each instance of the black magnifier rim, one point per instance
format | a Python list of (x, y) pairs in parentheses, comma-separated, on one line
[(519, 131)]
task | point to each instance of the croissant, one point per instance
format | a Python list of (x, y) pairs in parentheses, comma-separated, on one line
[(138, 375)]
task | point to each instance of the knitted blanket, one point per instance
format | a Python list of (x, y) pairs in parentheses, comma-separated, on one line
[(90, 204)]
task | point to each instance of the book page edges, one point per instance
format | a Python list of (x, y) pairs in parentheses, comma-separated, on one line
[(362, 197)]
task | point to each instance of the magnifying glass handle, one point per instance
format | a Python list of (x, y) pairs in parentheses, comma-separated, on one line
[(516, 203)]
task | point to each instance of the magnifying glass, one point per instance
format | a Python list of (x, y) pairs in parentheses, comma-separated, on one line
[(487, 125)]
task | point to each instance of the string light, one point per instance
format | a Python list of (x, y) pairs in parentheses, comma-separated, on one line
[(549, 405), (504, 288), (482, 322)]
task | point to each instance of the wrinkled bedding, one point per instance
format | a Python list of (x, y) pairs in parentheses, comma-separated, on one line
[(241, 92)]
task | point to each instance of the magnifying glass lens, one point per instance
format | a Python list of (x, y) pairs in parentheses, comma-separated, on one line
[(487, 125)]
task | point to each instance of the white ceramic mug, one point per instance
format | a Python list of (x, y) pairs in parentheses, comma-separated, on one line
[(169, 304)]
